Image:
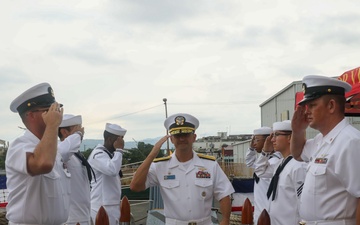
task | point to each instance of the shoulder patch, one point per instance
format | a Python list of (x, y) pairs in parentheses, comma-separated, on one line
[(208, 157), (162, 159)]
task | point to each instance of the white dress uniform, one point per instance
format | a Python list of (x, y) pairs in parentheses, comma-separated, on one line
[(284, 209), (261, 201), (40, 199), (332, 184), (106, 191), (188, 188), (79, 211)]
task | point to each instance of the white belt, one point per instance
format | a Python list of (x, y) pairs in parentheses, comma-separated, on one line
[(204, 221), (330, 222)]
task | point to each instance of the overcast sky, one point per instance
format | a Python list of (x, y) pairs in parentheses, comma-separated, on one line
[(115, 61)]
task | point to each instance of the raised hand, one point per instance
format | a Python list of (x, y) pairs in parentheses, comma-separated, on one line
[(53, 116), (299, 121)]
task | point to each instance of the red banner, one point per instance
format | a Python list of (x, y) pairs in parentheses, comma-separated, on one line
[(352, 107), (351, 76)]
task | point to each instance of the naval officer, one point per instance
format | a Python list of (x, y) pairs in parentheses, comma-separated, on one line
[(261, 184), (71, 134), (38, 184), (188, 181), (106, 161), (287, 179), (332, 185)]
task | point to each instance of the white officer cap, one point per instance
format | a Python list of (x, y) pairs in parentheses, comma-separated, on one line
[(41, 95), (315, 86), (284, 125), (263, 131), (70, 120), (181, 123), (115, 129)]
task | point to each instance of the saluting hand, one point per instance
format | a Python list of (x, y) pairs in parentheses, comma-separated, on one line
[(299, 121), (252, 144), (78, 128), (268, 145), (155, 150), (53, 116), (119, 143)]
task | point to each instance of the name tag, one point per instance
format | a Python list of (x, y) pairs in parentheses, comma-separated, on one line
[(169, 177)]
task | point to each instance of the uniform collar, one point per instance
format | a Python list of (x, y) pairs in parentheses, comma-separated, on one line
[(174, 162), (31, 136), (330, 137)]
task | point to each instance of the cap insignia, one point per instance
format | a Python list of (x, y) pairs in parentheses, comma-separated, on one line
[(180, 120), (51, 92)]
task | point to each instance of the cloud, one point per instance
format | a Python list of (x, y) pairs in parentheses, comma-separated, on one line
[(159, 12), (12, 75), (90, 53)]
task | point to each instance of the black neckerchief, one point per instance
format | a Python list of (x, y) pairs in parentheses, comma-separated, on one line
[(85, 163), (256, 178), (275, 179)]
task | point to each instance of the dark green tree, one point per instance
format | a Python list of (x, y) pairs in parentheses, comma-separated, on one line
[(139, 154), (87, 152)]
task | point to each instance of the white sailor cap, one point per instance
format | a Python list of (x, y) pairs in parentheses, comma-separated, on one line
[(41, 95), (70, 120), (115, 129), (181, 123), (283, 125), (263, 131), (315, 86)]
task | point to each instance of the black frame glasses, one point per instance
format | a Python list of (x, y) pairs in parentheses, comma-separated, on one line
[(276, 134)]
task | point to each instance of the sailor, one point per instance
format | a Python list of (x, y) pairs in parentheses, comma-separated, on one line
[(106, 161), (287, 177), (332, 185), (71, 134), (38, 184), (261, 185), (188, 181)]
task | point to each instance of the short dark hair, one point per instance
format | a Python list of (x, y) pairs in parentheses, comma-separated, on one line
[(66, 128), (109, 135), (339, 99)]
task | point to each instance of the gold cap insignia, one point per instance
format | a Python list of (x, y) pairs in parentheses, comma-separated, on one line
[(180, 120)]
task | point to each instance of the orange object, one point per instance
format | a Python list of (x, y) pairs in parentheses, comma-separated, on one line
[(264, 218), (125, 214), (102, 217), (247, 213)]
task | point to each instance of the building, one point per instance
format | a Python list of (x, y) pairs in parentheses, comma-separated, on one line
[(213, 144)]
